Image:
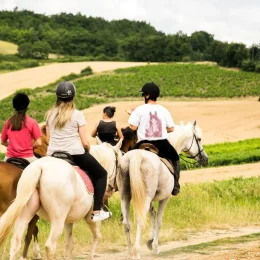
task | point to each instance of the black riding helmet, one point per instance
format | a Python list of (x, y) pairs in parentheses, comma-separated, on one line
[(150, 89), (21, 101), (65, 90)]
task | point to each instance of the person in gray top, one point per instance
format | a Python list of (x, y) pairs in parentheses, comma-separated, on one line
[(66, 131)]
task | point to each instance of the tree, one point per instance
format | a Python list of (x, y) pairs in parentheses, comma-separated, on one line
[(40, 50), (25, 50)]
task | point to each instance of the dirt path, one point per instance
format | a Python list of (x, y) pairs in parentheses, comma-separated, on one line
[(173, 250), (40, 76)]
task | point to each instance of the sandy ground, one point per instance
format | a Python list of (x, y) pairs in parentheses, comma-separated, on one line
[(40, 76), (220, 120)]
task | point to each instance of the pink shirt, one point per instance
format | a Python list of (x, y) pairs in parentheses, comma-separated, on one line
[(21, 142)]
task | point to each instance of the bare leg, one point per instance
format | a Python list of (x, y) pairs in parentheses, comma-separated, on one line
[(69, 240), (21, 224), (94, 227)]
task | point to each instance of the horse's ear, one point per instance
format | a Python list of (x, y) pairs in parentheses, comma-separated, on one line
[(98, 140), (119, 144), (194, 124)]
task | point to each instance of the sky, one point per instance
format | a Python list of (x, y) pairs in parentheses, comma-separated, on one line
[(227, 20)]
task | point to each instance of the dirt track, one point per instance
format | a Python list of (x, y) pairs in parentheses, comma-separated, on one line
[(40, 76)]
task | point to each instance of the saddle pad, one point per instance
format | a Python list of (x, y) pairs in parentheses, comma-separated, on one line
[(86, 180)]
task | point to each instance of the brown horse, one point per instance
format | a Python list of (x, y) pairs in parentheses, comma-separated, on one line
[(9, 176)]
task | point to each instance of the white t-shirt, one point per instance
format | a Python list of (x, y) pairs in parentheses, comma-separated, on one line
[(66, 139), (151, 120)]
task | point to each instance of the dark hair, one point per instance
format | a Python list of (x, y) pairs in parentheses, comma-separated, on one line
[(150, 89), (109, 111), (16, 121), (20, 104)]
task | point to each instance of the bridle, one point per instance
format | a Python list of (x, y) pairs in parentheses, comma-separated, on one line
[(193, 157)]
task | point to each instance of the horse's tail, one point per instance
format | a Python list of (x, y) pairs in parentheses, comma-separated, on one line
[(138, 189), (25, 188)]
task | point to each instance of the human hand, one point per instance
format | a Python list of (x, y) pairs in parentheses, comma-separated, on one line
[(130, 111)]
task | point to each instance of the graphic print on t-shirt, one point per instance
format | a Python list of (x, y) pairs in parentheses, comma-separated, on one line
[(154, 126)]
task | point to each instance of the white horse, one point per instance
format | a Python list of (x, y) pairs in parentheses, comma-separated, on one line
[(53, 189), (145, 179)]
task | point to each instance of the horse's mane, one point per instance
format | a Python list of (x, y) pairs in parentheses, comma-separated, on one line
[(42, 150), (99, 152)]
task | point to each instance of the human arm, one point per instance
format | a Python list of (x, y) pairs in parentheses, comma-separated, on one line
[(119, 132), (4, 136), (134, 119), (133, 127), (4, 143), (83, 137), (170, 129), (94, 131), (37, 143)]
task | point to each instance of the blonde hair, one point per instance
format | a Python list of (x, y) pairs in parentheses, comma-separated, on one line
[(64, 109)]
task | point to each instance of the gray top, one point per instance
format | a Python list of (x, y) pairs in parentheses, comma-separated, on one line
[(66, 139)]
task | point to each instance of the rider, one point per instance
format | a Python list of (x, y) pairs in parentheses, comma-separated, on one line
[(66, 131), (107, 128), (20, 130), (153, 122)]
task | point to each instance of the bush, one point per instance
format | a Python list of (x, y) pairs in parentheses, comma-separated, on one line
[(87, 70), (29, 64), (248, 65)]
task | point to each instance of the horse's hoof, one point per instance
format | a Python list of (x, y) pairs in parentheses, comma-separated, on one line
[(149, 244), (156, 251)]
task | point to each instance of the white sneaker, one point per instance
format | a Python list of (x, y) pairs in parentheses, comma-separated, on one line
[(101, 215)]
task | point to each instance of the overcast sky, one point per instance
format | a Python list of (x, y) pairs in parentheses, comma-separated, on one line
[(227, 20)]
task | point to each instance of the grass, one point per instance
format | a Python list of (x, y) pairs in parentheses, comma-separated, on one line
[(229, 153), (8, 47), (198, 207)]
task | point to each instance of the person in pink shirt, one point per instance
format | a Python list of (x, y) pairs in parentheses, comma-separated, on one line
[(21, 133)]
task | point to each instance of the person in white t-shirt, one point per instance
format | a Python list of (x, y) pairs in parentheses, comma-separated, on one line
[(153, 122)]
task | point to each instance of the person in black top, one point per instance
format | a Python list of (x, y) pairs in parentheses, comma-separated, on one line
[(107, 129)]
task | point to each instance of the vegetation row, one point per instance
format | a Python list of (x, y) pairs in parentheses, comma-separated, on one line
[(175, 80)]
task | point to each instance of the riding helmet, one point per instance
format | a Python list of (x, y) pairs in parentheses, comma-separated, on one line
[(65, 90), (150, 89), (21, 101)]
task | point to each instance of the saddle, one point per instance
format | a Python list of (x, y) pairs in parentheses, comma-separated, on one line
[(18, 162), (151, 148), (84, 175)]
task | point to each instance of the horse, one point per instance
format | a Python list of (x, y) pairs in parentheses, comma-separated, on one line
[(144, 179), (52, 188), (9, 177)]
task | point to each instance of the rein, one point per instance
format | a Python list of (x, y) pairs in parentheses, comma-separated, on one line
[(192, 157)]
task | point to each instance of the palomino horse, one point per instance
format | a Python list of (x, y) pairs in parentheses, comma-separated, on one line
[(145, 179), (53, 189), (9, 177)]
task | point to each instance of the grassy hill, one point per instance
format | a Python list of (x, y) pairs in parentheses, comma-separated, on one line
[(8, 48), (175, 80)]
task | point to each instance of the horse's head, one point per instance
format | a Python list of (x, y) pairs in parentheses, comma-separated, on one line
[(193, 145), (130, 139), (187, 138)]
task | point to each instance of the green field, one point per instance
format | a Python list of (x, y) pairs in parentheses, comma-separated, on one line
[(175, 80)]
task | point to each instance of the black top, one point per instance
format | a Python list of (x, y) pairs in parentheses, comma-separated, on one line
[(107, 131)]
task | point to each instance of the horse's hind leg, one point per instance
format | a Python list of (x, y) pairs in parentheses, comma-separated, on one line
[(69, 240), (94, 227), (32, 231), (158, 225), (153, 225), (25, 217)]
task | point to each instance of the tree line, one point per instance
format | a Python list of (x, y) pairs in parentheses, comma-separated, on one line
[(78, 35)]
